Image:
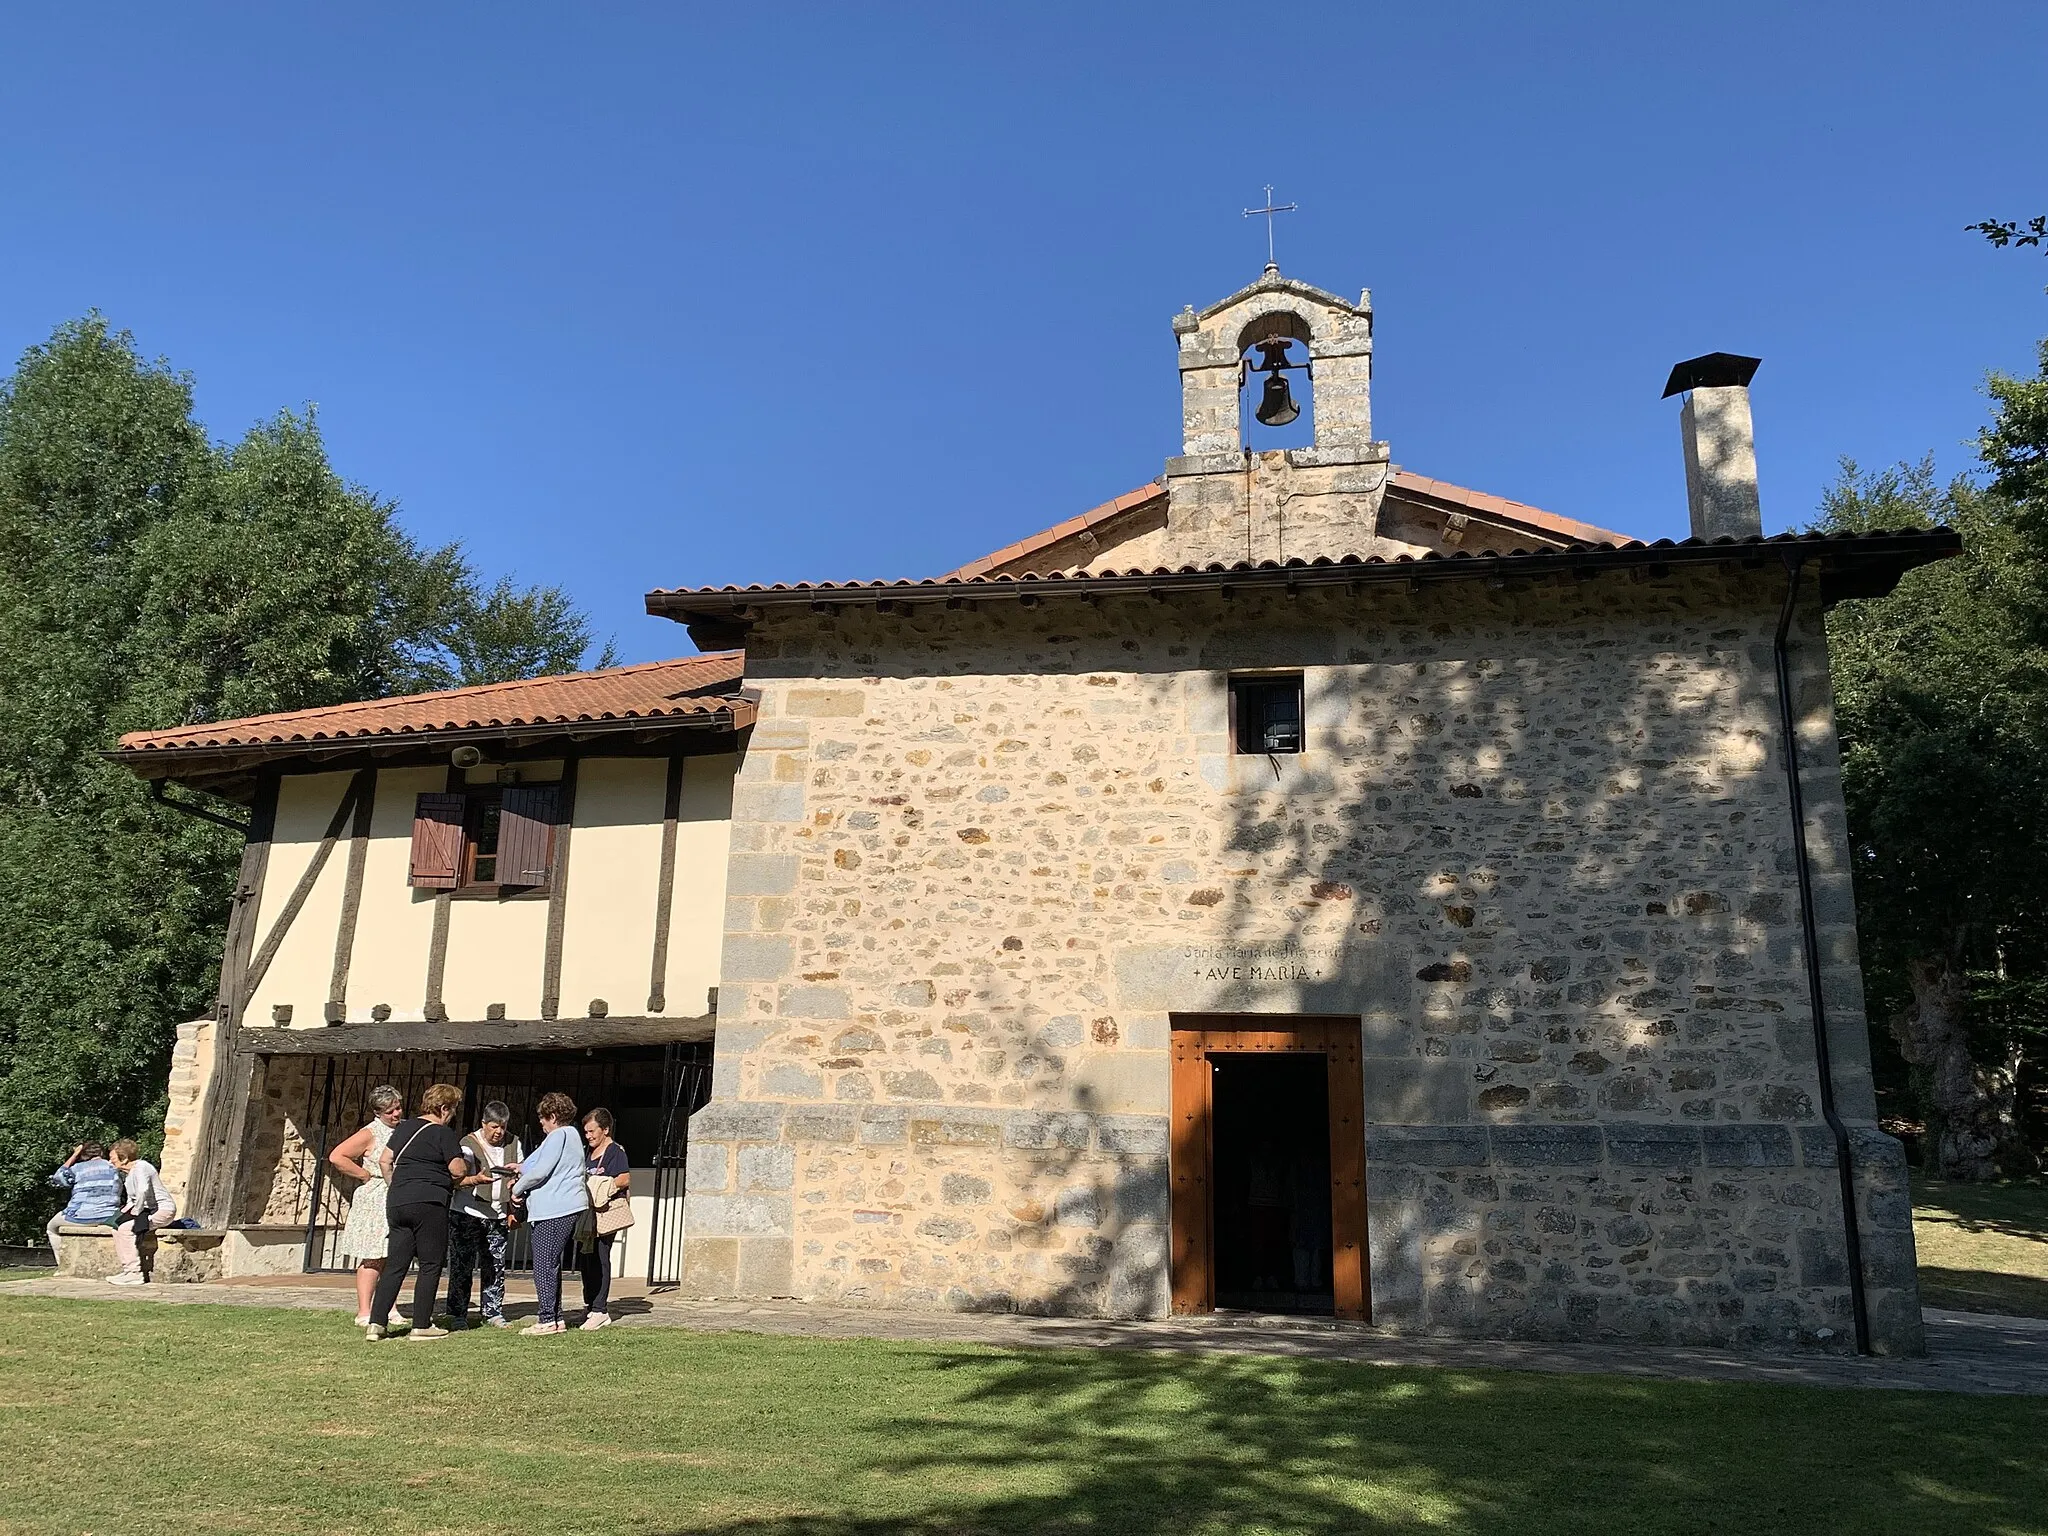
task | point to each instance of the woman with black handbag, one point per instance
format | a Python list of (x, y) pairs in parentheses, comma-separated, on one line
[(610, 1175), (423, 1164)]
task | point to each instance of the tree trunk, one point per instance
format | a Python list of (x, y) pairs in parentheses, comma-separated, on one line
[(1970, 1110)]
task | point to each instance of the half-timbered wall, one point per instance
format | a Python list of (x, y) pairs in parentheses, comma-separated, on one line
[(495, 953)]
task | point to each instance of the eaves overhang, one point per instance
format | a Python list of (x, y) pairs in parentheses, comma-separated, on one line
[(229, 769), (1848, 566)]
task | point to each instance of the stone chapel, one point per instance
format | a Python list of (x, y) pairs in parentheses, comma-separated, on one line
[(1298, 885)]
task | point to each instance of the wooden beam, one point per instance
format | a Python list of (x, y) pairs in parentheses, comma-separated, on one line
[(351, 897), (558, 897), (224, 1115), (432, 1005), (665, 887), (474, 1035), (297, 900)]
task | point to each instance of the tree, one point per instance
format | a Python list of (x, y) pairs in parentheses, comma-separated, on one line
[(2014, 447), (1941, 695), (151, 577)]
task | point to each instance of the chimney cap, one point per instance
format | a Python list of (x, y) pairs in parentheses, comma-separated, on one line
[(1716, 370)]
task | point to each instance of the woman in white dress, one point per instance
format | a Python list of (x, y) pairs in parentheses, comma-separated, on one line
[(369, 1226)]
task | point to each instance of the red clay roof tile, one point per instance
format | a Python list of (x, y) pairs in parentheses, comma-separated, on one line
[(687, 686)]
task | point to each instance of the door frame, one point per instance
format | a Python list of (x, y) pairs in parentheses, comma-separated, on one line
[(1198, 1036)]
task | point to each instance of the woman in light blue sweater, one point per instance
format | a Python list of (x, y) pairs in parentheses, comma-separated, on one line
[(551, 1184)]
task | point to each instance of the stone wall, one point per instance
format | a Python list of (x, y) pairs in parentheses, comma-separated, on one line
[(286, 1138), (1538, 844), (191, 1072)]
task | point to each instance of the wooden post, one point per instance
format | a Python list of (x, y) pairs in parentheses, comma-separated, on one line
[(1345, 1068), (1193, 1274), (224, 1116), (665, 888), (352, 896), (259, 966), (558, 898)]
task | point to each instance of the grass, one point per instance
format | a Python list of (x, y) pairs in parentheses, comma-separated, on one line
[(134, 1417), (1983, 1247)]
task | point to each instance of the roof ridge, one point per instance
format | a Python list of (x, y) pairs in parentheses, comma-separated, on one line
[(1486, 503), (1483, 502), (1031, 544)]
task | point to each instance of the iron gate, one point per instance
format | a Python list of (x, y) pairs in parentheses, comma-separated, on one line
[(651, 1091)]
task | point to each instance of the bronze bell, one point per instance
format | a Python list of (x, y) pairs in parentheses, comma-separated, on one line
[(1276, 405)]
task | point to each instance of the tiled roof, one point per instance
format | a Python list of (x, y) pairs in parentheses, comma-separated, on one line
[(1439, 493), (1130, 501), (692, 688), (1422, 488), (1895, 552)]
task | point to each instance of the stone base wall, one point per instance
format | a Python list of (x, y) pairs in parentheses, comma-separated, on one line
[(1719, 1234), (285, 1141), (961, 1208)]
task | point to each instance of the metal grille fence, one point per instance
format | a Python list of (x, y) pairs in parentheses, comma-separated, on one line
[(650, 1090)]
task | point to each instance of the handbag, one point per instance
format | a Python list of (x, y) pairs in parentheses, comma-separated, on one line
[(610, 1213)]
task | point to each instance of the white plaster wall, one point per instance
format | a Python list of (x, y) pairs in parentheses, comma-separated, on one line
[(614, 880), (497, 949), (497, 952), (395, 924), (697, 908), (305, 960)]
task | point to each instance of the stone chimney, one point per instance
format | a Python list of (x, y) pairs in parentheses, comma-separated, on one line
[(1720, 444)]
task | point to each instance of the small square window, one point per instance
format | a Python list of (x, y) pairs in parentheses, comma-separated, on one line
[(486, 809), (1265, 713)]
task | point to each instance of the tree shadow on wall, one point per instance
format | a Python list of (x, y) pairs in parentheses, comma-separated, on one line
[(1161, 1445)]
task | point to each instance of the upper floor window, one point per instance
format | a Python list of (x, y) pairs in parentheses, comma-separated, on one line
[(488, 839), (1266, 713)]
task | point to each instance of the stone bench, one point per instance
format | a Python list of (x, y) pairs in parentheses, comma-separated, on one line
[(169, 1254)]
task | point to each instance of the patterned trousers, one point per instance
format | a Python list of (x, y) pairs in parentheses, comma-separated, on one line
[(475, 1244)]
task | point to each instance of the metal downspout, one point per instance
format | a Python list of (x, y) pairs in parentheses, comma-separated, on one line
[(1788, 728)]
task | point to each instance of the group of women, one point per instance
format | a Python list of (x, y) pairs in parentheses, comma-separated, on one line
[(426, 1192)]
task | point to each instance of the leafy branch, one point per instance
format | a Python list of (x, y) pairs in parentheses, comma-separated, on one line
[(2006, 232)]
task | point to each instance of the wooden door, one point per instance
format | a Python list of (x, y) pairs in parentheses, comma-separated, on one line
[(1195, 1038)]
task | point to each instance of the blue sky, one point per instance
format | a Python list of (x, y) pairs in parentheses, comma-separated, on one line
[(643, 295)]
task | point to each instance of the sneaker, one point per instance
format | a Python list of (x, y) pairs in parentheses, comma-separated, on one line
[(430, 1332), (595, 1320), (125, 1278), (455, 1324), (373, 1333), (540, 1328), (496, 1322), (363, 1320)]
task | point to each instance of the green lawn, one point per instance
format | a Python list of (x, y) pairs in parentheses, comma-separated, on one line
[(139, 1417), (1983, 1247)]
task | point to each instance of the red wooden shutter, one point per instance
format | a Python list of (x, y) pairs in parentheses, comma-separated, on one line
[(437, 841), (526, 833)]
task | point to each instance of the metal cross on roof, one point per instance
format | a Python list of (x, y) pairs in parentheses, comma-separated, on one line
[(1269, 210)]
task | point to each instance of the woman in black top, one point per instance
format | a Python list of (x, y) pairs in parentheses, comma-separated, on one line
[(423, 1165), (607, 1157)]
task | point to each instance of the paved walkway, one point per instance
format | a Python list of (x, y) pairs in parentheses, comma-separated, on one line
[(1967, 1351)]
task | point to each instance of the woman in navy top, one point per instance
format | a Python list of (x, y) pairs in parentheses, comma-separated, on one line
[(609, 1158)]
